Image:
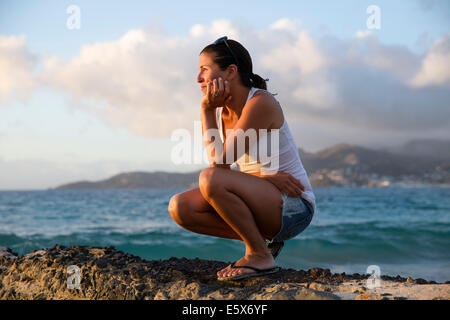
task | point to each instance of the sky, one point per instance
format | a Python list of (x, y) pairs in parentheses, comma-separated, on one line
[(90, 102)]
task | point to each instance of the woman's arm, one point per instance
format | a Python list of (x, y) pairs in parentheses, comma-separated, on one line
[(209, 105), (208, 119), (257, 114), (285, 182)]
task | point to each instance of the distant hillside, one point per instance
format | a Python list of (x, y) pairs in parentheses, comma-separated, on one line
[(366, 160), (139, 180), (426, 148), (421, 161), (418, 162)]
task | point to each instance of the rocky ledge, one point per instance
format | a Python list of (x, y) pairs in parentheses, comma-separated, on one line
[(106, 273)]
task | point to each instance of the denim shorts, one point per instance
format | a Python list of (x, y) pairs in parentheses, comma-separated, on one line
[(297, 214)]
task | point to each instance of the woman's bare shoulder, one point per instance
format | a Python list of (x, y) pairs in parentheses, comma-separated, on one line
[(265, 98)]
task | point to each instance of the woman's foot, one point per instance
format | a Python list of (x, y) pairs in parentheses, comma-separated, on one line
[(262, 262)]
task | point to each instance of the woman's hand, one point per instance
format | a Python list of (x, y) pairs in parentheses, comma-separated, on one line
[(217, 94), (286, 183)]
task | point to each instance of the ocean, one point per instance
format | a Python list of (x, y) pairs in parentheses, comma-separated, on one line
[(403, 231)]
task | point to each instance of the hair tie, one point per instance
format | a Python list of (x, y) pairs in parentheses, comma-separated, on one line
[(252, 77)]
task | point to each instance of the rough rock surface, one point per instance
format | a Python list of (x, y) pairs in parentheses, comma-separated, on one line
[(106, 273)]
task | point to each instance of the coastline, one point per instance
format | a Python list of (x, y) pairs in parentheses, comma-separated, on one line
[(109, 274)]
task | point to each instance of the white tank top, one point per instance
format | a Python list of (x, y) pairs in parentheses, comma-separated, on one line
[(288, 158)]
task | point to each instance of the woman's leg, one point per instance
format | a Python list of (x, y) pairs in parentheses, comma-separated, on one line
[(192, 212), (251, 206)]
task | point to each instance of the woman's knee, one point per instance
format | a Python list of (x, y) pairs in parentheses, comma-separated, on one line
[(179, 209), (210, 180)]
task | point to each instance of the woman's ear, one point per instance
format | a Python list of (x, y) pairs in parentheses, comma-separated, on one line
[(232, 72)]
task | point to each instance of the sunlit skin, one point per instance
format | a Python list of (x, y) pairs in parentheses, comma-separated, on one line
[(210, 72), (228, 203)]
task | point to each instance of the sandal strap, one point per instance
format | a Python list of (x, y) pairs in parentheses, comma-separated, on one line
[(248, 267)]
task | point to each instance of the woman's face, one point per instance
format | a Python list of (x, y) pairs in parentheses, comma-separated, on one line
[(208, 71)]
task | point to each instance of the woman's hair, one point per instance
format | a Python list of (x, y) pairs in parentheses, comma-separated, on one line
[(244, 62)]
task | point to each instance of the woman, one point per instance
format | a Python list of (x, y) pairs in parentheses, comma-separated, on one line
[(244, 204)]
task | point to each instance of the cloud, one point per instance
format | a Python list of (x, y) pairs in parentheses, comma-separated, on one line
[(16, 69), (435, 68), (285, 24), (217, 29), (363, 34), (357, 82), (299, 54), (144, 81)]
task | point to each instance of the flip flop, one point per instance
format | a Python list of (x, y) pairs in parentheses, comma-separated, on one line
[(275, 248), (257, 273)]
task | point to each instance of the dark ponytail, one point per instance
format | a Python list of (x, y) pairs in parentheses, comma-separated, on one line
[(258, 82), (245, 67), (253, 80)]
